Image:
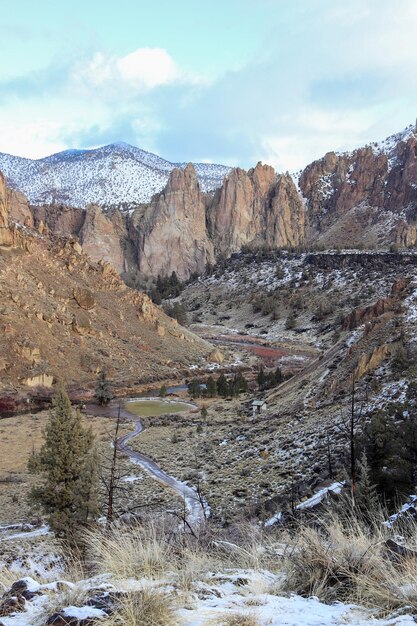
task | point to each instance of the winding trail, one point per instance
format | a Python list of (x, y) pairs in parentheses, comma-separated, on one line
[(196, 512)]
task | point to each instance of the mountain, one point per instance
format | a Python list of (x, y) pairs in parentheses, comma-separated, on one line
[(114, 175), (364, 198), (64, 316)]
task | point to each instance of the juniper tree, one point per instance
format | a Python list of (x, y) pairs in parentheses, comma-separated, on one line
[(194, 388), (222, 386), (163, 391), (66, 462), (211, 387), (103, 393)]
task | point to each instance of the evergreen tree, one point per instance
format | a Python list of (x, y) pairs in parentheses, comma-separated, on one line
[(290, 321), (204, 412), (261, 378), (278, 376), (103, 393), (366, 496), (222, 386), (194, 388), (211, 387), (163, 391), (67, 463)]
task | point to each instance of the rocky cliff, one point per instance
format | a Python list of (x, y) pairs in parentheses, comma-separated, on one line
[(64, 316), (256, 208), (172, 230), (367, 197)]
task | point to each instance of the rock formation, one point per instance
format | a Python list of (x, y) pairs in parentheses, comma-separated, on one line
[(256, 208), (64, 316), (172, 230), (367, 197)]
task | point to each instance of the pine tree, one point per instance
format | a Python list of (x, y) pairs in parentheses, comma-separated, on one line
[(211, 387), (194, 388), (67, 463), (261, 378), (222, 386), (103, 393)]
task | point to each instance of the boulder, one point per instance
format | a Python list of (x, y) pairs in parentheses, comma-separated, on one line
[(216, 356), (84, 298), (81, 323)]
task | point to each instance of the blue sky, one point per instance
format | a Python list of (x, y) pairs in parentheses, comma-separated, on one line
[(231, 81)]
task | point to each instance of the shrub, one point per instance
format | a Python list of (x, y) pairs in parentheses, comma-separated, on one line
[(147, 607)]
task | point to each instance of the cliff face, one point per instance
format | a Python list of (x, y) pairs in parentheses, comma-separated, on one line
[(172, 230), (10, 236), (256, 207), (366, 197), (64, 316)]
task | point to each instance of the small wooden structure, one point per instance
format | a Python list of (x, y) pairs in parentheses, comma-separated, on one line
[(258, 406)]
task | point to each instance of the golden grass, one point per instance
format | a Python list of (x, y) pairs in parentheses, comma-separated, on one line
[(349, 561), (238, 619), (130, 552), (148, 607)]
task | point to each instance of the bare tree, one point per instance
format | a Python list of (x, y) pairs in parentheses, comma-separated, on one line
[(350, 423)]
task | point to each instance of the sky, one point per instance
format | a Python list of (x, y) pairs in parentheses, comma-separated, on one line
[(225, 81)]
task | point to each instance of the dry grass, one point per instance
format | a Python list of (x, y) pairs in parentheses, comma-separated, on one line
[(238, 619), (135, 552), (147, 607), (350, 562)]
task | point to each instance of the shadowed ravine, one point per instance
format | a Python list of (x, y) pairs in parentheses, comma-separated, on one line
[(195, 511)]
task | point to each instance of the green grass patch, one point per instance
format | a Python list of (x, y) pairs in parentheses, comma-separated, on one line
[(149, 408)]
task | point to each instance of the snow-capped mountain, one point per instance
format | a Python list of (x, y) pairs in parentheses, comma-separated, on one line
[(115, 175)]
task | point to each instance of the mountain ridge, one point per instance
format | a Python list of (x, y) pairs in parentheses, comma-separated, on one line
[(114, 175)]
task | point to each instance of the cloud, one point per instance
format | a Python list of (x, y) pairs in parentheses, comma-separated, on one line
[(329, 75), (140, 71)]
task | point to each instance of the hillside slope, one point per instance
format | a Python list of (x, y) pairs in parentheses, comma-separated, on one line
[(63, 316)]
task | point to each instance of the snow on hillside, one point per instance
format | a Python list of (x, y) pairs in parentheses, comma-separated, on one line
[(113, 175)]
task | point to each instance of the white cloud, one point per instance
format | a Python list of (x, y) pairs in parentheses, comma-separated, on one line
[(148, 67), (141, 70)]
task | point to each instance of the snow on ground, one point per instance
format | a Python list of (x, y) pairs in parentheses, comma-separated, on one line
[(219, 594), (407, 508), (117, 174), (313, 501), (30, 534)]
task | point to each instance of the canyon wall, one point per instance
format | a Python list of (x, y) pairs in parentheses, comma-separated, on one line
[(366, 198)]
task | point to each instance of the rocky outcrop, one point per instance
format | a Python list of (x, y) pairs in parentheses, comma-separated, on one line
[(6, 238), (172, 230), (362, 315), (100, 240), (256, 208), (368, 196), (369, 362)]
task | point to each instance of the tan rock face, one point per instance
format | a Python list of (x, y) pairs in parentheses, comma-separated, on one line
[(173, 234), (19, 208), (6, 238), (369, 362), (100, 240), (256, 207), (359, 190)]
